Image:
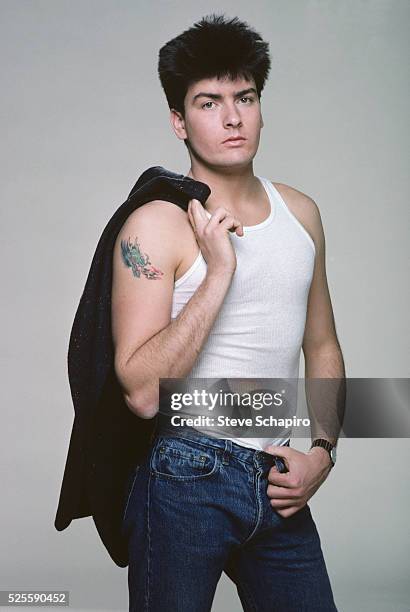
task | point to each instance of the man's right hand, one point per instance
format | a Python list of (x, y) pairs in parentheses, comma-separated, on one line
[(213, 238)]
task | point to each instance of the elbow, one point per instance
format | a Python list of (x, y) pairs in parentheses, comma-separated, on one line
[(330, 347), (141, 405), (139, 395)]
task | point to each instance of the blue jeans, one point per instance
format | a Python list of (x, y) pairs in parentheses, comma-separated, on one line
[(198, 506)]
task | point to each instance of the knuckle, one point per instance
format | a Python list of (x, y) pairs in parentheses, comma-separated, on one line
[(227, 222)]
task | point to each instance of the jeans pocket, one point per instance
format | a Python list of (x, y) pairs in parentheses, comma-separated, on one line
[(182, 459)]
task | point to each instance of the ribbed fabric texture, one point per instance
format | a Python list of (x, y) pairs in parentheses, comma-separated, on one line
[(259, 329)]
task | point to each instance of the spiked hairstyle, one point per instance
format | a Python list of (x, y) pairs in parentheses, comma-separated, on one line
[(212, 47)]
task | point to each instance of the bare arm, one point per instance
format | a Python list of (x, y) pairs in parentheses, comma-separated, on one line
[(324, 379), (148, 345), (324, 364), (172, 352)]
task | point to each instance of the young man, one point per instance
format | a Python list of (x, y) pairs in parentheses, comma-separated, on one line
[(234, 289)]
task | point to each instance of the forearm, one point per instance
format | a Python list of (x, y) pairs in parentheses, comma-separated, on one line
[(172, 352), (325, 362), (325, 384)]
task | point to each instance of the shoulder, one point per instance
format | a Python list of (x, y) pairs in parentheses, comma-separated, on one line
[(160, 212), (159, 218), (305, 209), (297, 200), (160, 225)]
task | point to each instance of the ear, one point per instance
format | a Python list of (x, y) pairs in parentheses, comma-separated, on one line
[(262, 124), (178, 124)]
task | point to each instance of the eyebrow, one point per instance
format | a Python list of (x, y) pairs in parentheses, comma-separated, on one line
[(214, 96)]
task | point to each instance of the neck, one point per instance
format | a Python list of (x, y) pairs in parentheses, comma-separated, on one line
[(233, 189)]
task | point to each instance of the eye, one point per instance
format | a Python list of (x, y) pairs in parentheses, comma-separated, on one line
[(247, 98), (205, 105)]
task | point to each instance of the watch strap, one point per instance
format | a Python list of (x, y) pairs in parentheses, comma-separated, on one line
[(326, 445)]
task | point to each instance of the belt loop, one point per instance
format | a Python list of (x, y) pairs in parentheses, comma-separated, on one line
[(227, 452)]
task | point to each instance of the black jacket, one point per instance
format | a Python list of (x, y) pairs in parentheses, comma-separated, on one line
[(107, 439)]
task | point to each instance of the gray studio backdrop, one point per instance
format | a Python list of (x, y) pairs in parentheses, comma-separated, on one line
[(82, 116)]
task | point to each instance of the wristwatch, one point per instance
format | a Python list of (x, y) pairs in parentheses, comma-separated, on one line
[(327, 446)]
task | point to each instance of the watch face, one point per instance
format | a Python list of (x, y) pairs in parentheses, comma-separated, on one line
[(333, 454)]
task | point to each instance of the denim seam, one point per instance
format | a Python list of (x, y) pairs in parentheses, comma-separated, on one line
[(191, 478), (169, 450), (147, 589), (130, 493), (218, 449), (259, 510)]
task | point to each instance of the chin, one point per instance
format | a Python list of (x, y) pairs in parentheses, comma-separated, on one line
[(231, 164), (233, 158)]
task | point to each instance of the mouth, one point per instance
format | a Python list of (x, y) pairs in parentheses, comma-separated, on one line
[(234, 143), (234, 139)]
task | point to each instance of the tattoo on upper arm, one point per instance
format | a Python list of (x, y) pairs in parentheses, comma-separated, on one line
[(139, 262)]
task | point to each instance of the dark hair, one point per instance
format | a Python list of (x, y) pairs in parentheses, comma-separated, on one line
[(212, 47)]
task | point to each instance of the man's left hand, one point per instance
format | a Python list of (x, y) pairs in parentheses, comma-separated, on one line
[(290, 491)]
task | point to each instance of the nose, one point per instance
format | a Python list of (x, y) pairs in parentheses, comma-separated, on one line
[(232, 117)]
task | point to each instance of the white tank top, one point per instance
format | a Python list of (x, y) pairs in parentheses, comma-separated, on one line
[(259, 329)]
